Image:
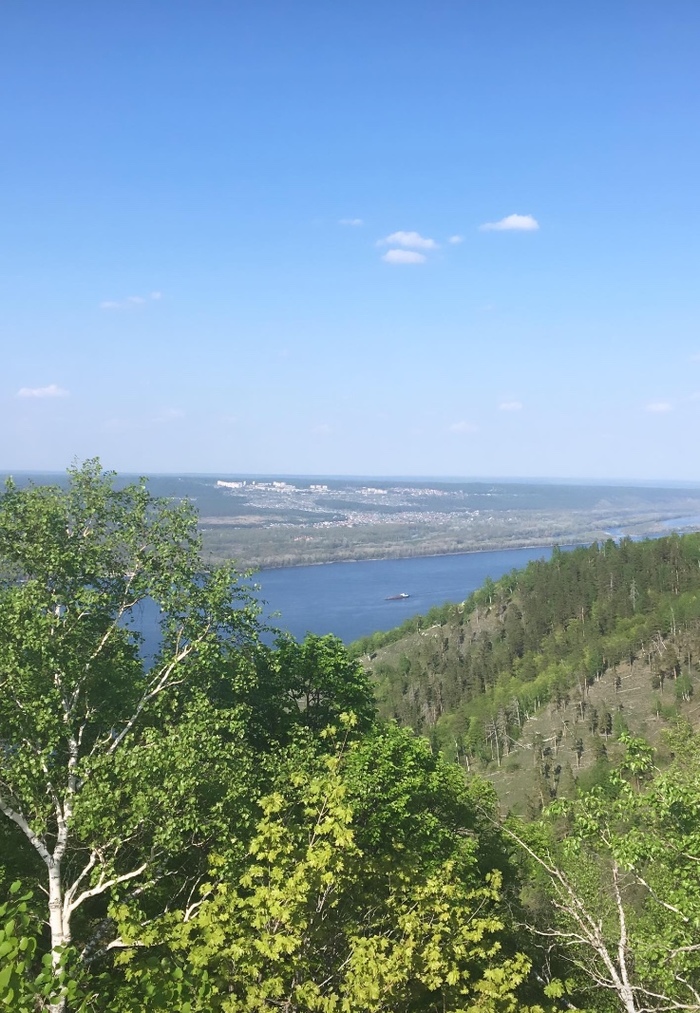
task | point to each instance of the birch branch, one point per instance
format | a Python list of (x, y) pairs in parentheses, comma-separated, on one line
[(103, 885), (20, 820), (162, 682)]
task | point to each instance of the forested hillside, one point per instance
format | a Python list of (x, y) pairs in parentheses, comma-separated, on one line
[(545, 668), (226, 826)]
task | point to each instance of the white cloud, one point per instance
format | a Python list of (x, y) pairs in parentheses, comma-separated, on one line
[(53, 390), (512, 223), (463, 427), (351, 221), (403, 257), (510, 406), (658, 407), (323, 429), (131, 300), (455, 240), (410, 240)]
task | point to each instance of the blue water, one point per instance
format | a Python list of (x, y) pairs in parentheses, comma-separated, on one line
[(349, 599), (681, 525), (677, 523)]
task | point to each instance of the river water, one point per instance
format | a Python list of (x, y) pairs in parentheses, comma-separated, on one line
[(349, 599)]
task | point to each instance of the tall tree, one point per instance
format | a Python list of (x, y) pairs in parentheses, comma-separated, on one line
[(98, 737)]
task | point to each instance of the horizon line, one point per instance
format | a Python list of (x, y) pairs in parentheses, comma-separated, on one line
[(339, 476)]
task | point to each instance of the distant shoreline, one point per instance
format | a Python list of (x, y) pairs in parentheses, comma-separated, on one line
[(571, 542), (426, 555)]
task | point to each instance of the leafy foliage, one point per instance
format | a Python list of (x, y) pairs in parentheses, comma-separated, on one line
[(330, 914), (24, 987), (614, 877), (116, 767), (226, 826)]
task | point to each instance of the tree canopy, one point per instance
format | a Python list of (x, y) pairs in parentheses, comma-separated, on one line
[(216, 824)]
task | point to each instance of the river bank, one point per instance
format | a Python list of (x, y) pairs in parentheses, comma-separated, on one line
[(257, 551)]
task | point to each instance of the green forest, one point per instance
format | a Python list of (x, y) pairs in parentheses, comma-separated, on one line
[(494, 808), (551, 664)]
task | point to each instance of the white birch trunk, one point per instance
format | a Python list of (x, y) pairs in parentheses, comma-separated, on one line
[(58, 925)]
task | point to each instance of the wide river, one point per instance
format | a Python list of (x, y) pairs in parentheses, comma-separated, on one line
[(349, 599)]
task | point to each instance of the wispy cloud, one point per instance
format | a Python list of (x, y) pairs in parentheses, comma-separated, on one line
[(409, 240), (659, 407), (463, 427), (510, 406), (53, 390), (403, 257), (455, 240), (131, 301), (322, 429), (354, 222), (512, 223)]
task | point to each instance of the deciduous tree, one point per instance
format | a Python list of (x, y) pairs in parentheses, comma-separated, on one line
[(354, 899), (99, 744), (619, 866)]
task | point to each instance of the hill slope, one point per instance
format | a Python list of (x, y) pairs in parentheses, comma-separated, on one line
[(532, 678)]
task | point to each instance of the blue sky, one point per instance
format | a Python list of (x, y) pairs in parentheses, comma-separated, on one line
[(252, 237)]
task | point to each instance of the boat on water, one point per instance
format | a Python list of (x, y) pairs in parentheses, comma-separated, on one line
[(398, 597)]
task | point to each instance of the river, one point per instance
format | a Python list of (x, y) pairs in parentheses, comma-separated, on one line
[(349, 599)]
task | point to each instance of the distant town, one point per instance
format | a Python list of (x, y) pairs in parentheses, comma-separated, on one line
[(397, 503), (282, 520)]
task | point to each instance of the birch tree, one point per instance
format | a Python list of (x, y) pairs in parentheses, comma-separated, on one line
[(619, 871), (98, 736)]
